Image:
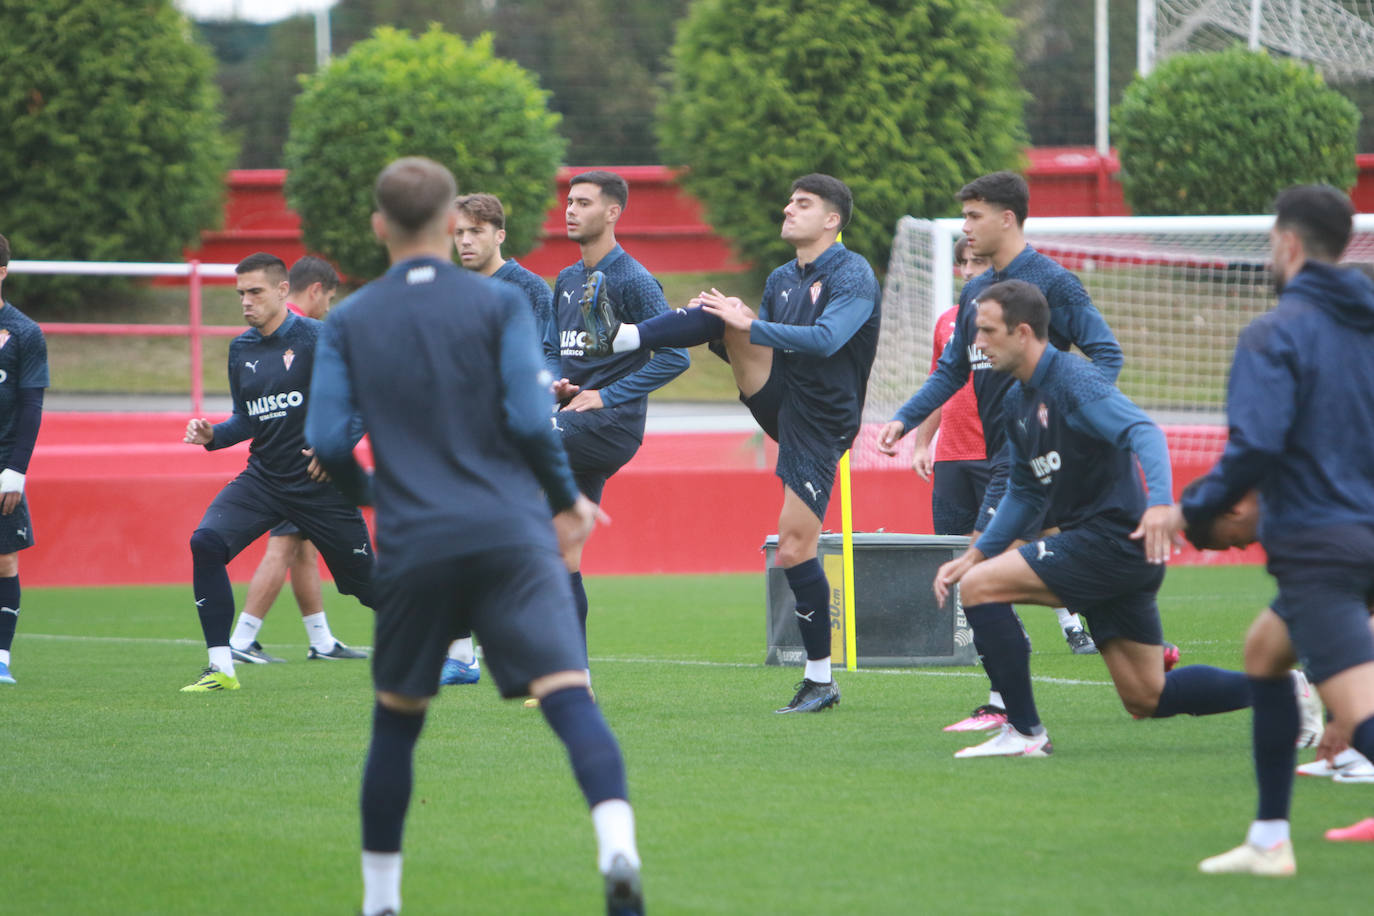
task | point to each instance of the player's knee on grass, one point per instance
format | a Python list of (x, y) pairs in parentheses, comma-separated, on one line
[(207, 545)]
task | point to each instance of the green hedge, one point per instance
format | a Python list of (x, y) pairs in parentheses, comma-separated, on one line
[(1223, 133), (905, 101), (433, 95), (112, 145)]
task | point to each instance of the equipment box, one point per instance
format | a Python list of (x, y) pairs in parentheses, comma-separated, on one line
[(896, 621)]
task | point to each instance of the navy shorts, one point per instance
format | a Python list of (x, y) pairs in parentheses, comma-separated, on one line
[(807, 458), (1103, 575), (957, 494), (252, 503), (601, 442), (516, 600), (1326, 584), (285, 529), (16, 529)]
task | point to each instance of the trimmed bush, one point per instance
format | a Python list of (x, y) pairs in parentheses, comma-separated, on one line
[(433, 95), (905, 101), (1223, 133), (112, 148)]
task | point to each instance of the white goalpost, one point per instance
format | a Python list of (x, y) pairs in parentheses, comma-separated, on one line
[(1176, 290)]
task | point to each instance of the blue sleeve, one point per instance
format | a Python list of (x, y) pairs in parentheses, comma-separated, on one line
[(239, 426), (1261, 404), (33, 360), (1073, 314), (528, 404), (549, 340), (997, 488), (28, 417), (951, 373), (332, 422), (1017, 508), (1116, 419), (841, 318), (643, 299)]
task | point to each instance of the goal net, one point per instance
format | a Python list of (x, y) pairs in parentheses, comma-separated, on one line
[(1176, 290)]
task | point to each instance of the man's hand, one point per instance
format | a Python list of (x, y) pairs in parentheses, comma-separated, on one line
[(587, 399), (729, 309), (11, 490), (889, 436), (199, 431), (563, 390), (314, 469), (574, 525), (923, 462), (1159, 529), (950, 573)]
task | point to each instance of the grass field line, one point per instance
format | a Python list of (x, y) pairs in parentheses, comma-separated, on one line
[(600, 659)]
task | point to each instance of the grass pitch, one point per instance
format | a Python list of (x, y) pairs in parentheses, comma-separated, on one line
[(121, 795)]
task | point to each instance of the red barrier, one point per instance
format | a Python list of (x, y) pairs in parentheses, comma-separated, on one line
[(115, 497)]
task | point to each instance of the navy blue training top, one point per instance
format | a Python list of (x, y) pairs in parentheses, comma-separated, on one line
[(635, 296), (1070, 437), (1300, 407), (23, 364), (541, 300), (444, 368), (822, 320), (269, 383)]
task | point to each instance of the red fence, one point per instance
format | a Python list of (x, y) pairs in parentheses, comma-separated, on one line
[(663, 225)]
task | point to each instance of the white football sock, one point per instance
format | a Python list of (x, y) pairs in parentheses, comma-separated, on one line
[(1267, 834), (626, 339), (818, 670), (245, 631), (995, 699), (221, 659), (381, 882), (1067, 621), (614, 821), (460, 650), (4, 656), (317, 629)]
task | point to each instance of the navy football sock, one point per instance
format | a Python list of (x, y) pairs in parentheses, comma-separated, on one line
[(981, 649), (1201, 690), (387, 777), (1006, 658), (812, 592), (210, 583), (1274, 735), (680, 328), (592, 749), (579, 601), (9, 610), (1362, 739)]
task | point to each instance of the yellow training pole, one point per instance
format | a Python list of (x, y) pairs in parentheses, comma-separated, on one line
[(851, 655)]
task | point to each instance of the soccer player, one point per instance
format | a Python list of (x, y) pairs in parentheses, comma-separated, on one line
[(23, 376), (312, 284), (1070, 438), (269, 382), (801, 365), (995, 207), (603, 399), (960, 470), (1300, 409), (468, 539), (480, 234)]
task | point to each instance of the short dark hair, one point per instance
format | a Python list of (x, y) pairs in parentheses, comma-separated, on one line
[(412, 191), (1322, 217), (1007, 190), (310, 270), (1022, 303), (611, 185), (270, 264), (959, 248), (831, 190), (4, 251), (484, 208)]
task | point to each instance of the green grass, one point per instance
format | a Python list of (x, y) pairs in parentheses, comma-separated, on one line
[(162, 365), (122, 795)]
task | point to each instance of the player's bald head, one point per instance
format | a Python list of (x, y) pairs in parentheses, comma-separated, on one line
[(414, 192)]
